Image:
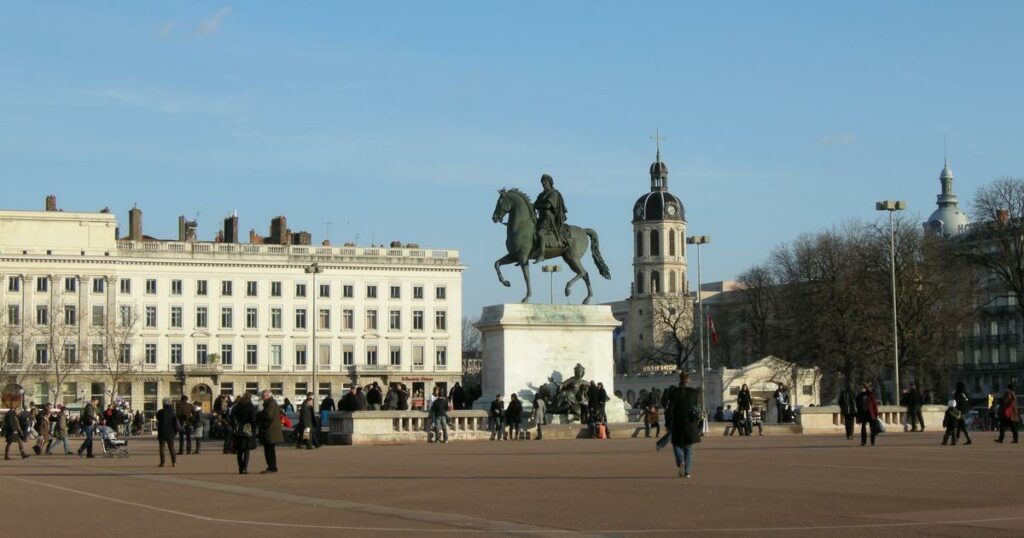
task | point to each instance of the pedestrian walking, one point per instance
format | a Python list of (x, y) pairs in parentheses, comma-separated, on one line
[(686, 414), (198, 424), (744, 403), (848, 407), (867, 414), (457, 396), (540, 408), (42, 426), (914, 402), (949, 422), (60, 431), (244, 416), (88, 422), (666, 404), (167, 428), (1009, 416), (651, 421), (963, 403), (512, 416), (13, 434), (270, 431)]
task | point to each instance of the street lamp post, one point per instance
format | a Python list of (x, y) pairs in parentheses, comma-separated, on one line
[(893, 206), (700, 240), (314, 269), (551, 270)]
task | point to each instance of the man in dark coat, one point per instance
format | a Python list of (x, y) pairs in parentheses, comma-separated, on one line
[(167, 427), (327, 404), (914, 402), (457, 396), (88, 421), (374, 397), (867, 414), (686, 412), (306, 420), (391, 399), (13, 434), (848, 407), (243, 414), (963, 404), (183, 410), (348, 401), (403, 398), (270, 431)]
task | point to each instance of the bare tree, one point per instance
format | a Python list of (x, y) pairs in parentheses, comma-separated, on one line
[(121, 359), (53, 334), (673, 319), (470, 335), (996, 241)]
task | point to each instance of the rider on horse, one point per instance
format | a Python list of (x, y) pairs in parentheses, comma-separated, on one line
[(551, 230)]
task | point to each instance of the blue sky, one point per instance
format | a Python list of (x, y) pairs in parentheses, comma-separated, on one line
[(400, 120)]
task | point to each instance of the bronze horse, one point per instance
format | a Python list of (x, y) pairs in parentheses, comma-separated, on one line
[(519, 241)]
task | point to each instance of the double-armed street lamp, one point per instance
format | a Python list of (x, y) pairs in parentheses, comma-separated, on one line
[(892, 206), (551, 270), (314, 269), (700, 240)]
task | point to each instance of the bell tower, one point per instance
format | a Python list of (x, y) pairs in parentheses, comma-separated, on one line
[(659, 292)]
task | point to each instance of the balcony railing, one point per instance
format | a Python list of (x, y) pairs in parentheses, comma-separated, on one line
[(203, 369)]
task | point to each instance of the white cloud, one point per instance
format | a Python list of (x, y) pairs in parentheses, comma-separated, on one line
[(210, 25), (167, 29), (838, 139)]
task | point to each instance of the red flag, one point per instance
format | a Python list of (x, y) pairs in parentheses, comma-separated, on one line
[(711, 327)]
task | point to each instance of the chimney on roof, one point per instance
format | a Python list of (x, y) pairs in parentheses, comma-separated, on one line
[(231, 228), (51, 202), (279, 233), (135, 224)]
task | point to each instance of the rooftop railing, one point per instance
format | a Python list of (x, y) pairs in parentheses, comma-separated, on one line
[(415, 256)]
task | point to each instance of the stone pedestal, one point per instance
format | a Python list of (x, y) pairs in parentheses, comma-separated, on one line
[(525, 345)]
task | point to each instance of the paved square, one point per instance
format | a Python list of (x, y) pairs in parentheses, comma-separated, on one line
[(789, 485)]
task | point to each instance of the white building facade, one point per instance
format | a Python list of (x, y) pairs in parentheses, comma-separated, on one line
[(205, 318)]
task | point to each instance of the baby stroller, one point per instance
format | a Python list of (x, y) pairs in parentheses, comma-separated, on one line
[(112, 446)]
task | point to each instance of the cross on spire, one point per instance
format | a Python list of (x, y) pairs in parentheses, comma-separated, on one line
[(657, 141)]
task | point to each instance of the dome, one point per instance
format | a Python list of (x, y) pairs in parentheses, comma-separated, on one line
[(659, 205), (659, 169), (947, 220)]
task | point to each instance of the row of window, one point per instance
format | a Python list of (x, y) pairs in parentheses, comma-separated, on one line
[(674, 282), (654, 245), (995, 356), (126, 317), (69, 354), (226, 288)]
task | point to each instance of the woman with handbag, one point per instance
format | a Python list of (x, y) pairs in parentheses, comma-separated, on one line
[(243, 414), (1009, 416), (867, 414)]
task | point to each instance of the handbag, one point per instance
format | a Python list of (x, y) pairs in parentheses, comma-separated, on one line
[(243, 430), (305, 433), (880, 425)]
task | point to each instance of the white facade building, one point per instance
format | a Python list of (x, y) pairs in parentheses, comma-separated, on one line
[(203, 318)]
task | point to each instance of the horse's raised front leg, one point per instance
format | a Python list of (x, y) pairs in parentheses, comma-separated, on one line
[(526, 277), (504, 260)]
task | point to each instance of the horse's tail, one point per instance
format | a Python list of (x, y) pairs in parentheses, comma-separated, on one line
[(595, 250)]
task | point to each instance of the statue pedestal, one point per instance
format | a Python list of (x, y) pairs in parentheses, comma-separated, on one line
[(526, 344)]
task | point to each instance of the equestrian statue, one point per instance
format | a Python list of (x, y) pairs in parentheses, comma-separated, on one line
[(537, 231)]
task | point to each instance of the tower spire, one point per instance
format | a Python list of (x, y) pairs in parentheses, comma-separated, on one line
[(657, 142)]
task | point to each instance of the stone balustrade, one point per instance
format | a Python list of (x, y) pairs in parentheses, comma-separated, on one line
[(393, 427), (828, 419)]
